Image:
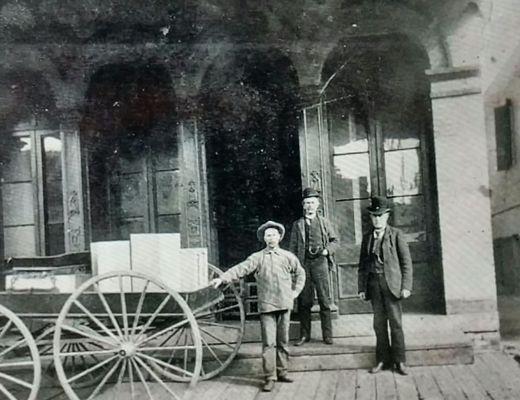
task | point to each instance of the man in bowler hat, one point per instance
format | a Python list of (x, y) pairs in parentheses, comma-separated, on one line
[(314, 241), (384, 278), (280, 278)]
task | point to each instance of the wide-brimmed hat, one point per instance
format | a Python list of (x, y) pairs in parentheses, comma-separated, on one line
[(379, 206), (269, 224), (310, 192)]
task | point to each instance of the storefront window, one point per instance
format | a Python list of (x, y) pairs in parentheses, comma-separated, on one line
[(31, 192)]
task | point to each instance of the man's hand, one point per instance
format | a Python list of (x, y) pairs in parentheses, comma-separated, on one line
[(294, 294), (362, 295), (325, 252), (215, 282), (405, 293)]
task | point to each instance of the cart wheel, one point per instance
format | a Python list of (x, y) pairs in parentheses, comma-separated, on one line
[(124, 316), (20, 366), (73, 362), (221, 327)]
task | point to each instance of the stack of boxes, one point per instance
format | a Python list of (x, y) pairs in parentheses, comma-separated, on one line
[(156, 255)]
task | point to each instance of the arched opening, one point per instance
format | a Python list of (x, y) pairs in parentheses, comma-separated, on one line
[(250, 125), (380, 131), (31, 167), (130, 137)]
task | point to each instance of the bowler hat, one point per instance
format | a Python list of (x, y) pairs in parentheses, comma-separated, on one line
[(310, 192), (379, 206), (269, 224)]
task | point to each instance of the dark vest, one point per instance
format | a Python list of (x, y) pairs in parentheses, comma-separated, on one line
[(376, 255), (313, 239)]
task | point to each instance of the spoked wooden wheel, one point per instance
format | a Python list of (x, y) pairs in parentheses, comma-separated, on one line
[(79, 359), (20, 367), (221, 327), (122, 318)]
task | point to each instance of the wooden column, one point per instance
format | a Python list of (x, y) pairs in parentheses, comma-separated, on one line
[(73, 204), (194, 208)]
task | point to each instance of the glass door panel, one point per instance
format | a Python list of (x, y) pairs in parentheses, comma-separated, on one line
[(351, 176), (403, 172)]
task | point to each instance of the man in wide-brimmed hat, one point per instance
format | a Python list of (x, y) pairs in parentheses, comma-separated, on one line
[(314, 241), (385, 277), (280, 278)]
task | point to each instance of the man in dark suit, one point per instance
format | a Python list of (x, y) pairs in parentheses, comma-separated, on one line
[(385, 277), (314, 241)]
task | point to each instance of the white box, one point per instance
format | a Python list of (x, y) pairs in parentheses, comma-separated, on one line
[(152, 254), (111, 256)]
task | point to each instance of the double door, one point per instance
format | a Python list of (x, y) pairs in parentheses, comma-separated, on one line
[(351, 153)]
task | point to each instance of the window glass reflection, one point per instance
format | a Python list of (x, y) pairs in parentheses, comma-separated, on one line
[(403, 172), (400, 132), (53, 192), (408, 215), (351, 176), (347, 131), (351, 221)]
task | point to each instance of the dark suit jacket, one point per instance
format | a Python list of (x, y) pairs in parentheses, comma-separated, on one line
[(396, 259), (297, 240)]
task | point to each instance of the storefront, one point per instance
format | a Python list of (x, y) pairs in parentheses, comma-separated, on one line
[(211, 133)]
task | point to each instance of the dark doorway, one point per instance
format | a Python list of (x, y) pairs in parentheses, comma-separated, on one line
[(250, 124), (130, 138)]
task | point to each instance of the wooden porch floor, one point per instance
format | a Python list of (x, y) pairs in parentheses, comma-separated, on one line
[(493, 376)]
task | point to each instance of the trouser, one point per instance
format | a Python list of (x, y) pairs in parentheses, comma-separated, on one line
[(317, 271), (387, 313), (275, 343)]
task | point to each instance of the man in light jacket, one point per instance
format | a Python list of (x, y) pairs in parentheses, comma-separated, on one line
[(280, 278)]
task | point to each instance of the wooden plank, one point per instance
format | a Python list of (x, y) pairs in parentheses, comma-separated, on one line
[(366, 387), (284, 391), (489, 379), (109, 392), (327, 385), (385, 386), (507, 370), (450, 389), (207, 389), (467, 382), (307, 387), (347, 382), (405, 387), (426, 385), (240, 388)]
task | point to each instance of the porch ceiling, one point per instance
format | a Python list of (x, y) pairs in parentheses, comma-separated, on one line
[(127, 21)]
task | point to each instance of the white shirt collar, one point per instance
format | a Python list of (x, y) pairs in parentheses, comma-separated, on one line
[(379, 234)]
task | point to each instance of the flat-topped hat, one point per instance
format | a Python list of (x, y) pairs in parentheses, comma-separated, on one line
[(269, 224), (310, 192), (379, 206)]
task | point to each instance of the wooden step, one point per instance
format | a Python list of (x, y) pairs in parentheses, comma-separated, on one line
[(353, 353)]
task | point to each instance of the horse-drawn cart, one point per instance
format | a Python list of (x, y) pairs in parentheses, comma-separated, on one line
[(117, 329)]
